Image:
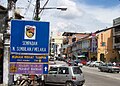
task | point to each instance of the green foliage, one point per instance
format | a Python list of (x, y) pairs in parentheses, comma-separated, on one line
[(38, 19)]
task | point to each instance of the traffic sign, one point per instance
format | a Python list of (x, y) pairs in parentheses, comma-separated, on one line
[(29, 37), (29, 58), (28, 68)]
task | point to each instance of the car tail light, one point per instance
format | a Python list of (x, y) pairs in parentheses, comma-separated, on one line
[(73, 77)]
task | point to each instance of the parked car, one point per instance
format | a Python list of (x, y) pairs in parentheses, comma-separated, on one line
[(60, 58), (65, 75), (51, 59), (72, 63), (78, 63), (95, 63), (118, 64), (88, 63), (109, 67), (83, 62)]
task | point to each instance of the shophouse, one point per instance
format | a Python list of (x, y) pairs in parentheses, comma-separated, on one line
[(84, 47), (89, 47), (105, 51), (116, 37), (93, 47), (55, 44), (71, 45)]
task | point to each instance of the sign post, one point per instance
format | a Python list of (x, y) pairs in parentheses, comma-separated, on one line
[(29, 47)]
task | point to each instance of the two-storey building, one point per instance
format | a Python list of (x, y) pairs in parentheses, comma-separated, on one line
[(116, 36)]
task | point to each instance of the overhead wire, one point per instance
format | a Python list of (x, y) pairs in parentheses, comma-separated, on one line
[(41, 10), (28, 6), (44, 6)]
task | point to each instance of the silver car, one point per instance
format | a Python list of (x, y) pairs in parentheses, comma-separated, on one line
[(65, 75)]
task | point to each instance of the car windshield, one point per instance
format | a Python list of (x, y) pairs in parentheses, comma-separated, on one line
[(77, 70), (110, 65)]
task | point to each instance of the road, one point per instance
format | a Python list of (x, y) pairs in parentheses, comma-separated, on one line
[(94, 77)]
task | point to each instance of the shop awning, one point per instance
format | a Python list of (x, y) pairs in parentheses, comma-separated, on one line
[(75, 54), (80, 56)]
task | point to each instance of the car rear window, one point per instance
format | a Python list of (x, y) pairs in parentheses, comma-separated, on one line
[(77, 70)]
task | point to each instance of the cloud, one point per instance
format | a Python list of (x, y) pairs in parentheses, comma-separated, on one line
[(105, 15), (79, 17)]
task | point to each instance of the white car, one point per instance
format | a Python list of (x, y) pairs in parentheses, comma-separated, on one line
[(65, 76), (80, 64), (95, 63)]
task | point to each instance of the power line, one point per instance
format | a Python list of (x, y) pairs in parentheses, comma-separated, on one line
[(44, 6), (28, 6)]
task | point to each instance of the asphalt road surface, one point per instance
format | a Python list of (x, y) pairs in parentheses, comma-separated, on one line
[(97, 80), (94, 77)]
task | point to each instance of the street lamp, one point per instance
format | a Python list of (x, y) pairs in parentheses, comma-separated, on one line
[(59, 8), (47, 8)]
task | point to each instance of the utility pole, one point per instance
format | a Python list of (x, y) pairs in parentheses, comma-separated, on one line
[(7, 79), (37, 10)]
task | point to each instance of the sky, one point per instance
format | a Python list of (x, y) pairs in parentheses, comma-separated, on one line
[(81, 15)]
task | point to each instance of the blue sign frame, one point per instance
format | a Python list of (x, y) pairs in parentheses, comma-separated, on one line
[(29, 37)]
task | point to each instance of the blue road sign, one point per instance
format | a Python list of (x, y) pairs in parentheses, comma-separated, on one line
[(28, 68), (45, 68), (29, 37)]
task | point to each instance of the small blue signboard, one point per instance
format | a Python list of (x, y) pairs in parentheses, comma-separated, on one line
[(27, 68), (29, 58), (29, 37)]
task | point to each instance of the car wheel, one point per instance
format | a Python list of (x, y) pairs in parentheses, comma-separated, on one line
[(101, 70), (94, 65), (41, 83), (117, 71), (69, 84), (110, 71)]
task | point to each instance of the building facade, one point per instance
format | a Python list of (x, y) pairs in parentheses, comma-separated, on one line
[(55, 45), (72, 45), (116, 37), (105, 51), (94, 46)]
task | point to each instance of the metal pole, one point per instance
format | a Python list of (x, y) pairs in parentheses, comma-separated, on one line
[(8, 79), (37, 9), (37, 18)]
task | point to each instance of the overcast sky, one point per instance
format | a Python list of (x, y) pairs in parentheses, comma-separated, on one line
[(81, 15)]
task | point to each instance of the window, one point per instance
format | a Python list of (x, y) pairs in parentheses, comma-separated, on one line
[(117, 29), (77, 70), (117, 39), (53, 70), (73, 39), (63, 70)]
